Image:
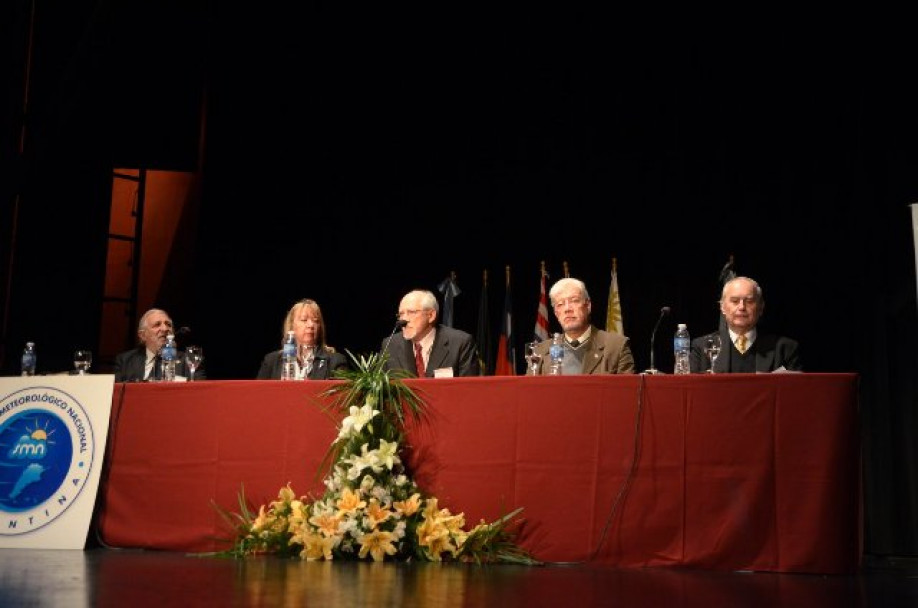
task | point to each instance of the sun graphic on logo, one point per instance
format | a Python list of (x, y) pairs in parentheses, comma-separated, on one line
[(39, 434)]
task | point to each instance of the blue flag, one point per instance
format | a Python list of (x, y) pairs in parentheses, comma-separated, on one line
[(450, 290)]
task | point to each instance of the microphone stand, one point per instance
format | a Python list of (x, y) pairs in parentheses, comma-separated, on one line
[(399, 323), (653, 336)]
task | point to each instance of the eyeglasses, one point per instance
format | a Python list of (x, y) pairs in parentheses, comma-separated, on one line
[(573, 301), (407, 313)]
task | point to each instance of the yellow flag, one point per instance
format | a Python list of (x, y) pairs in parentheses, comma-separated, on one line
[(614, 310)]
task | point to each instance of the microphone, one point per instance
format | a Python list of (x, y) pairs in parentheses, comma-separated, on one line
[(182, 331), (653, 336), (399, 323)]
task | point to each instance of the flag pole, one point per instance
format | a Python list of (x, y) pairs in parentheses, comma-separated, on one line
[(541, 325), (567, 270), (727, 273), (614, 322), (483, 334), (506, 355)]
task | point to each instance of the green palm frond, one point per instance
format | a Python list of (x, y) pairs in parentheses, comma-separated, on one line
[(396, 401)]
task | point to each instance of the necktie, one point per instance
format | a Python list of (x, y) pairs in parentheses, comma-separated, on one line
[(741, 343), (575, 343), (418, 359)]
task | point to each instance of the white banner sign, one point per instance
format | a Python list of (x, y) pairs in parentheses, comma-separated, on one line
[(53, 431)]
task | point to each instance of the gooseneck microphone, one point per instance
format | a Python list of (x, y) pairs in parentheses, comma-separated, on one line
[(653, 337), (399, 323)]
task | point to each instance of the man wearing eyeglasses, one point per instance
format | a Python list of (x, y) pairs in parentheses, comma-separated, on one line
[(587, 349), (426, 349)]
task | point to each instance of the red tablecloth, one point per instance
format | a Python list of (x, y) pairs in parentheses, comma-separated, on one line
[(732, 471)]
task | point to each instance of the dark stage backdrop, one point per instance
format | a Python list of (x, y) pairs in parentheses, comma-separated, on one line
[(352, 157)]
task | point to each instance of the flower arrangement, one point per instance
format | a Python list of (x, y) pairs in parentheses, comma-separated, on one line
[(371, 508)]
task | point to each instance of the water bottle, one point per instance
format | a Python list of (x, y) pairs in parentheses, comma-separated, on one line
[(288, 358), (556, 356), (169, 354), (29, 359), (682, 344)]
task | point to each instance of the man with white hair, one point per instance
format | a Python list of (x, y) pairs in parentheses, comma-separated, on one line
[(587, 349), (425, 348), (744, 348)]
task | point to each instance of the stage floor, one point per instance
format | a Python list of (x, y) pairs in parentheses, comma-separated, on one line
[(108, 577)]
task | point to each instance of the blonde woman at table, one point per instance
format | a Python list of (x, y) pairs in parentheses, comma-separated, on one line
[(587, 349), (316, 360)]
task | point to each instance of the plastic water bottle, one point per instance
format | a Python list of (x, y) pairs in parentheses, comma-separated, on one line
[(29, 359), (556, 356), (682, 344), (169, 353), (288, 358)]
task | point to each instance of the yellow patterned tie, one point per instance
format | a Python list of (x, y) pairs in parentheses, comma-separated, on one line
[(741, 343)]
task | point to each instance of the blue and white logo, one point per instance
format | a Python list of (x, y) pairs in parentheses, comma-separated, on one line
[(46, 455)]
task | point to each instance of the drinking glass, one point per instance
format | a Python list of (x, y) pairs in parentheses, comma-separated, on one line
[(533, 358), (82, 361), (712, 348), (194, 356)]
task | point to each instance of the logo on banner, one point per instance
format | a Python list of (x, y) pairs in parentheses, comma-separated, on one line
[(46, 455)]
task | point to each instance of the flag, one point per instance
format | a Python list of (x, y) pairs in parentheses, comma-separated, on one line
[(506, 354), (483, 337), (450, 290), (727, 273), (614, 321), (541, 324)]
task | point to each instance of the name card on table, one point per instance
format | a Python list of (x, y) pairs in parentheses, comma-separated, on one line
[(53, 431)]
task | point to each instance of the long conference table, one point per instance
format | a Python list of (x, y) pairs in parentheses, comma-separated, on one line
[(723, 472)]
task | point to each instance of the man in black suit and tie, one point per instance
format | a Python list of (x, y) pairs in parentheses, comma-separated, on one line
[(744, 348), (426, 349), (142, 363)]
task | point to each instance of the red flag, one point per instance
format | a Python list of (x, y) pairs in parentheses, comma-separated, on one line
[(541, 324), (506, 354)]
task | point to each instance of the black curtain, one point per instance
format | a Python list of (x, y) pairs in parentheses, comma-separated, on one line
[(352, 157)]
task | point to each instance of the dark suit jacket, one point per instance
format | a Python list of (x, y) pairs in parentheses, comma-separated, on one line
[(452, 348), (129, 366), (771, 352), (322, 367), (606, 353)]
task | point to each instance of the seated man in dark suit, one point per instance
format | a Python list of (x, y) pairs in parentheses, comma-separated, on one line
[(745, 349), (425, 348), (316, 360), (142, 363)]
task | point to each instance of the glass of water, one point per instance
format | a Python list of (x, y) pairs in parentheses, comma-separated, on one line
[(712, 348), (533, 358), (82, 361), (194, 356)]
